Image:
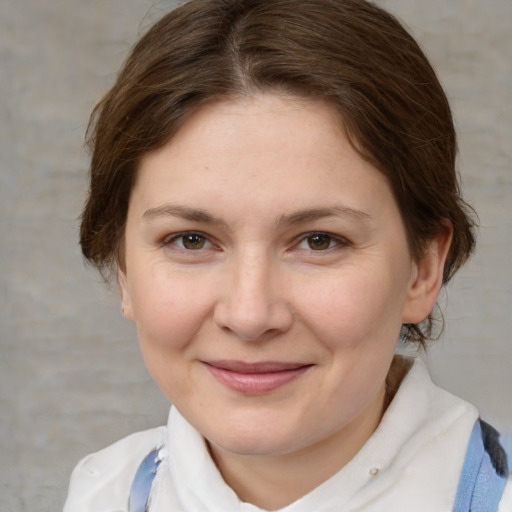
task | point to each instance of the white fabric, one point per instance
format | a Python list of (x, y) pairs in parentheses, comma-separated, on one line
[(411, 463), (506, 499)]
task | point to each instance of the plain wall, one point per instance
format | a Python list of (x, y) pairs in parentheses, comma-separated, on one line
[(71, 378)]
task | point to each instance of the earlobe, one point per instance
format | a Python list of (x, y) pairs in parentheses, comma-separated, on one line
[(126, 303), (427, 277)]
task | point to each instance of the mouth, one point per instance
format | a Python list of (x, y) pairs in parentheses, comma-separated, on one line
[(255, 378)]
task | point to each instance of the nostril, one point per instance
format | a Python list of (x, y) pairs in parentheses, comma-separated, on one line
[(253, 324)]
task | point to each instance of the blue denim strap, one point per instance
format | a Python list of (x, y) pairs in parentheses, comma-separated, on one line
[(141, 485), (480, 486)]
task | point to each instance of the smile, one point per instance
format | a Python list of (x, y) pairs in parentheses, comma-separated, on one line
[(255, 378)]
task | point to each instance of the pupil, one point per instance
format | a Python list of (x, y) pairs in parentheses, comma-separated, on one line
[(193, 241), (319, 242)]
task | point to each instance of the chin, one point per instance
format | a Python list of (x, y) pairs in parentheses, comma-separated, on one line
[(268, 441), (259, 442)]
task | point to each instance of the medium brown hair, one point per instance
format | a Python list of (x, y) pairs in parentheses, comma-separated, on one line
[(350, 53)]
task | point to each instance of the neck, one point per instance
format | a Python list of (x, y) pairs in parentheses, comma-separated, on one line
[(273, 481)]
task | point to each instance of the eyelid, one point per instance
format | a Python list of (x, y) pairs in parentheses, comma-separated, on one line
[(169, 240), (340, 241)]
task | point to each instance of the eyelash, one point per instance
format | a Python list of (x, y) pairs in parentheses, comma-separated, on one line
[(173, 239), (333, 241)]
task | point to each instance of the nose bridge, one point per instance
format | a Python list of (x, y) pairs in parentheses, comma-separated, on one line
[(253, 306), (252, 280)]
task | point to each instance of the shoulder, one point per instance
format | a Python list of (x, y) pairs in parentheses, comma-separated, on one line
[(101, 481)]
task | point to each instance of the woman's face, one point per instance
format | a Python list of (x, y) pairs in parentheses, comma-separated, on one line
[(268, 273)]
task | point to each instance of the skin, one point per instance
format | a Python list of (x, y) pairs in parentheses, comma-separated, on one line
[(258, 234)]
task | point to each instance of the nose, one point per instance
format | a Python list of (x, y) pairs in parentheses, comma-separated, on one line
[(252, 304)]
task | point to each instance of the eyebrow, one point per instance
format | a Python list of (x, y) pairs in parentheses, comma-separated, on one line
[(203, 216), (183, 212), (319, 213)]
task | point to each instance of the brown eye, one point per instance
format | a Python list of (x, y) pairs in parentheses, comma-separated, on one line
[(193, 241), (319, 242)]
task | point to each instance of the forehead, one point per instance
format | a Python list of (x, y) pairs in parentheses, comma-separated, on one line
[(251, 122), (278, 149)]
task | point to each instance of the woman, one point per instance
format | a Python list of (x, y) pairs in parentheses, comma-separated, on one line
[(273, 186)]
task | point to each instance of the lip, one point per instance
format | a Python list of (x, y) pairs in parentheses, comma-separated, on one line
[(255, 378)]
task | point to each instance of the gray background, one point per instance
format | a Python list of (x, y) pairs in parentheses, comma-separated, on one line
[(71, 380)]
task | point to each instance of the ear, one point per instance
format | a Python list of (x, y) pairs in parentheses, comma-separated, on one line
[(124, 291), (427, 277)]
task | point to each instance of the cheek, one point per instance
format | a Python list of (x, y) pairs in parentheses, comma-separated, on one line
[(353, 308), (169, 310)]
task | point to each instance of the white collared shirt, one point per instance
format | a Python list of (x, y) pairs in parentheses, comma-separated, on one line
[(412, 462)]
